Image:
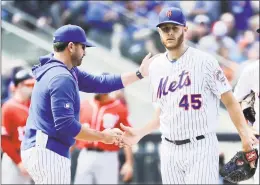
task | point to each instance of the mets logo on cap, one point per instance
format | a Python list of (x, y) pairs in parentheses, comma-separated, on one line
[(169, 13)]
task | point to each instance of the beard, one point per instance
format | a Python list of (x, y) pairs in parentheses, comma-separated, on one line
[(76, 60), (178, 43)]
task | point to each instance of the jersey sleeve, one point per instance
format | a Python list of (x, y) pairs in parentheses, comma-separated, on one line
[(6, 134), (63, 92), (8, 148), (98, 83), (6, 127), (243, 87), (215, 78)]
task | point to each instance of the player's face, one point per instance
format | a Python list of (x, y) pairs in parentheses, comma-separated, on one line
[(172, 35), (25, 90), (78, 54)]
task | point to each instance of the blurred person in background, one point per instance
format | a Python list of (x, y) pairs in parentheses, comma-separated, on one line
[(120, 95), (248, 46), (14, 116), (253, 51), (129, 46), (142, 7), (229, 20), (217, 42), (74, 13), (254, 25), (217, 39), (5, 15), (101, 19), (209, 8), (154, 10), (98, 163), (201, 27), (7, 78), (242, 11), (38, 9), (247, 85)]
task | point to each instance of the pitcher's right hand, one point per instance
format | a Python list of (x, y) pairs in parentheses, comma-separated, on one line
[(111, 136)]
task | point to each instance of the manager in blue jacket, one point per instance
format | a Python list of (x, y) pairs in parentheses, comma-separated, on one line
[(53, 122)]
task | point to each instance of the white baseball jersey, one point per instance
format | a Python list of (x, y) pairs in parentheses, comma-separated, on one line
[(188, 92), (249, 81)]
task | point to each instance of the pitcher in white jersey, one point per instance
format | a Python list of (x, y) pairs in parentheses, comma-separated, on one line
[(248, 82), (187, 85)]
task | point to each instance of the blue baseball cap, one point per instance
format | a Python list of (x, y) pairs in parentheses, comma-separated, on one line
[(71, 33), (171, 15)]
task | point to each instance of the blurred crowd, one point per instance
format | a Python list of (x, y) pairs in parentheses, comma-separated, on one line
[(226, 28)]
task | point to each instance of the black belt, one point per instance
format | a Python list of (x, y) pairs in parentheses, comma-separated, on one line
[(95, 149), (185, 141)]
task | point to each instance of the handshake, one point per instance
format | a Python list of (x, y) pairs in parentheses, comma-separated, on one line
[(126, 138)]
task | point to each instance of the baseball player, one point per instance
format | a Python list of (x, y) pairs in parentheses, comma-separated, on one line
[(53, 122), (98, 162), (14, 115), (247, 83), (187, 85)]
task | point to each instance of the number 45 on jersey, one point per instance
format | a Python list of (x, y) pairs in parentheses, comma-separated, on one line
[(190, 101)]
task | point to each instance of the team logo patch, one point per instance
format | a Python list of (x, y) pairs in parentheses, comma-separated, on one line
[(219, 75), (169, 13), (67, 105)]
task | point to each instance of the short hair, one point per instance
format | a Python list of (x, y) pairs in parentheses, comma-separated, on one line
[(60, 46)]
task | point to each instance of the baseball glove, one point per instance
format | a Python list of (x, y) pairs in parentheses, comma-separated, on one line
[(238, 168)]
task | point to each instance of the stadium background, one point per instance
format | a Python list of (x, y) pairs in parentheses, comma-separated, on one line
[(123, 33)]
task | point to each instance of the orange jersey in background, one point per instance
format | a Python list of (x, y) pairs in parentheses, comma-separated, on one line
[(14, 116), (100, 117)]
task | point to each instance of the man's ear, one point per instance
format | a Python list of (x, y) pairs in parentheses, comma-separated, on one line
[(70, 46), (186, 28)]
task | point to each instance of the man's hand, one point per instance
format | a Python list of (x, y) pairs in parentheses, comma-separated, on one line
[(145, 64), (127, 172), (22, 169), (248, 141), (130, 137), (111, 136)]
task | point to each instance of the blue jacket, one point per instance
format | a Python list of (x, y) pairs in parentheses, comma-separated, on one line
[(55, 102)]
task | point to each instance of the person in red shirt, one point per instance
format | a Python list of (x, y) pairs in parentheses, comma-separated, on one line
[(14, 116), (98, 163)]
